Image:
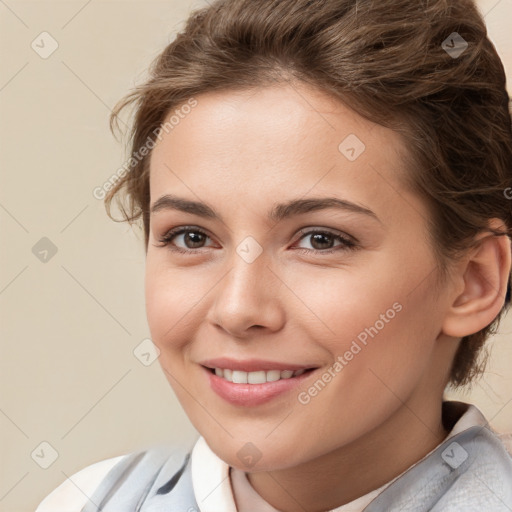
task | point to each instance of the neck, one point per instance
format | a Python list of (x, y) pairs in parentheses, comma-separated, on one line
[(354, 470)]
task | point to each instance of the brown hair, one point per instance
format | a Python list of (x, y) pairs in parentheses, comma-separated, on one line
[(394, 62)]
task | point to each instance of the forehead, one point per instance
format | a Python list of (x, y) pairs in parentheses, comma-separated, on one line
[(278, 118), (261, 142)]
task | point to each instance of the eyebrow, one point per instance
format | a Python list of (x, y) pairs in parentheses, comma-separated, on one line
[(278, 212)]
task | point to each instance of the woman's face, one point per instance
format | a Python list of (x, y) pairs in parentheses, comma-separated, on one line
[(302, 250)]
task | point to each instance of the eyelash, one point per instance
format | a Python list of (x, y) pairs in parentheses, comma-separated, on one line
[(347, 243)]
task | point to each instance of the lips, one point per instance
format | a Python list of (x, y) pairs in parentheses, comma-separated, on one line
[(247, 383), (254, 365)]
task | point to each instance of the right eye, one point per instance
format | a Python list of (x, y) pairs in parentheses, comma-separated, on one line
[(191, 238)]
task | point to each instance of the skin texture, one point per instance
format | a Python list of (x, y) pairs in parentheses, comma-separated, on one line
[(240, 153)]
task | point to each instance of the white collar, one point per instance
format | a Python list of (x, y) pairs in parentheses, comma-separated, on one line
[(210, 480)]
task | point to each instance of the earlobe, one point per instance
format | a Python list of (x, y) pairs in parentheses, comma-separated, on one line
[(483, 278)]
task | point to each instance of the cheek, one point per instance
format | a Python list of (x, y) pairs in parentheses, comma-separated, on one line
[(387, 356), (377, 366), (170, 299), (339, 304), (380, 323)]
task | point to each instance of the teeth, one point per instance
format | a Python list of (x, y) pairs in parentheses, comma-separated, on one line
[(258, 377), (273, 375), (239, 377)]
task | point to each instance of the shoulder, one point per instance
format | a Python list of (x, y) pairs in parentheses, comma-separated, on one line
[(72, 494), (479, 473), (156, 468), (471, 471)]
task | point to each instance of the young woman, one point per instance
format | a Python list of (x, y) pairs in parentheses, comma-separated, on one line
[(323, 191)]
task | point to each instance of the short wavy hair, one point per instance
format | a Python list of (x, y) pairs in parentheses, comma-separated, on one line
[(423, 68)]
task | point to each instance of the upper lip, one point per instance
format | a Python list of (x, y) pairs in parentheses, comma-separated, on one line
[(251, 365)]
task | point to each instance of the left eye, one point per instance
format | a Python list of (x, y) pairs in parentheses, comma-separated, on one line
[(322, 241)]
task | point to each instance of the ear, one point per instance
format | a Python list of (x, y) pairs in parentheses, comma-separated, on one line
[(480, 284)]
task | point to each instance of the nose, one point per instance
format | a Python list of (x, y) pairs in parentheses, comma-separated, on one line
[(247, 299)]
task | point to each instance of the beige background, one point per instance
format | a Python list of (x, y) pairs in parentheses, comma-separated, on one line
[(68, 374)]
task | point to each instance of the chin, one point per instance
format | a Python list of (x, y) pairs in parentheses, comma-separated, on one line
[(261, 456)]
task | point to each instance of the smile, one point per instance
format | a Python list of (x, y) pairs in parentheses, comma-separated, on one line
[(257, 387), (255, 377)]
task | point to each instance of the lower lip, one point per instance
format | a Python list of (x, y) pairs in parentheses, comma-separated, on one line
[(253, 394)]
